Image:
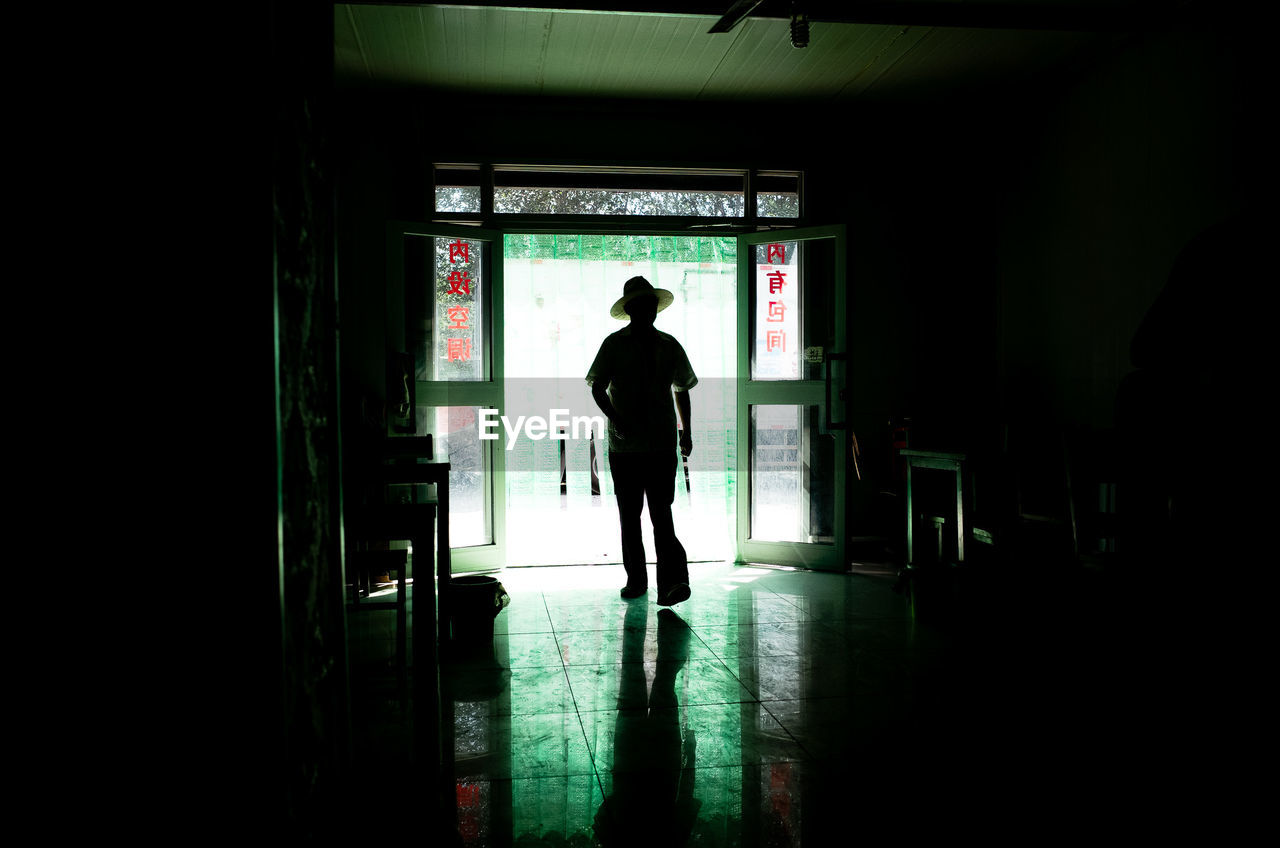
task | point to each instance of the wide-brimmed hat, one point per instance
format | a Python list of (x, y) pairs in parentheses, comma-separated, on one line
[(636, 287)]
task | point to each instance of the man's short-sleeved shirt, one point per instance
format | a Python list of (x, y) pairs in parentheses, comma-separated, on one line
[(639, 370)]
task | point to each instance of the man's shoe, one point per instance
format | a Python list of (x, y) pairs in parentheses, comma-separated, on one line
[(630, 593), (674, 595)]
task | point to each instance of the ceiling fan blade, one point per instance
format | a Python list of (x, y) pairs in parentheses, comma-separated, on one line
[(739, 10)]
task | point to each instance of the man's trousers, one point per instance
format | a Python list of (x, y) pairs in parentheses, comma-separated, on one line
[(638, 477)]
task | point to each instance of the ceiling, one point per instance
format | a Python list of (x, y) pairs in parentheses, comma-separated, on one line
[(887, 49)]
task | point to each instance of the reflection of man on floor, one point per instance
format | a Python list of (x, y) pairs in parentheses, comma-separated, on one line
[(651, 802), (631, 380)]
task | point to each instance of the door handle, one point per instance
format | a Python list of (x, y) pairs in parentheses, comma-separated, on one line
[(832, 357)]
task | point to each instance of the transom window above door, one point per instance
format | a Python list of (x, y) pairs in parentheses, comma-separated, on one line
[(681, 197)]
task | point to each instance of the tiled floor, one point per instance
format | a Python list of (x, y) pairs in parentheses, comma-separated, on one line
[(774, 707)]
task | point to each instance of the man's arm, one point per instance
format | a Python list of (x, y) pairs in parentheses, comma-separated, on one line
[(599, 375), (686, 423)]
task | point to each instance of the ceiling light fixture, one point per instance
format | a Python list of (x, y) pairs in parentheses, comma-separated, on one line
[(743, 8), (799, 28)]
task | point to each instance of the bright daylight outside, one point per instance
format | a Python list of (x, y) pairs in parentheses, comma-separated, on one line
[(558, 290)]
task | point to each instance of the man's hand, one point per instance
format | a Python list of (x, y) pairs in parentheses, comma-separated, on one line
[(686, 443)]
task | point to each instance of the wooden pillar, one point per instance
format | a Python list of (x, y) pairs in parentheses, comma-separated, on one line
[(316, 744)]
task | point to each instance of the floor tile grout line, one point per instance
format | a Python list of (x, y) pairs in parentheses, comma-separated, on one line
[(765, 706), (573, 696)]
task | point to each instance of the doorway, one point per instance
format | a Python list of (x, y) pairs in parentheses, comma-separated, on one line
[(557, 292), (503, 327)]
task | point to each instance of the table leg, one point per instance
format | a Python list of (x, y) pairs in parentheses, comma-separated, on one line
[(444, 564), (402, 629), (910, 520), (426, 665)]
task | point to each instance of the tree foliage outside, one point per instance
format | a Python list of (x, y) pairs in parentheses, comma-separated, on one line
[(458, 199), (783, 205), (604, 201)]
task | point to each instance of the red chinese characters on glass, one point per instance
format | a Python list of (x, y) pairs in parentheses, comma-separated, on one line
[(458, 349), (775, 340), (777, 309), (459, 282), (778, 251), (459, 251), (777, 279), (458, 317)]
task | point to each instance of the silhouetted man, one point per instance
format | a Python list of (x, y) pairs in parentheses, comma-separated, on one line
[(631, 380)]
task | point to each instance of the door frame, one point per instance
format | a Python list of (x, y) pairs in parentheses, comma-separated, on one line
[(828, 394), (487, 393)]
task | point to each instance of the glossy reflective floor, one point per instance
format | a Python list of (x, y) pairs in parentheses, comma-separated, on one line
[(774, 707)]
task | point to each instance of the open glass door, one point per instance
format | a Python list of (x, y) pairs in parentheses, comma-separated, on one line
[(791, 412), (452, 292)]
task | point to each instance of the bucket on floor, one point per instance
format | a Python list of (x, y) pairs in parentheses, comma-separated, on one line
[(475, 601)]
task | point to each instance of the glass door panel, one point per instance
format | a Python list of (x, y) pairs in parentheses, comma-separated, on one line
[(793, 315), (791, 397), (446, 291), (457, 441), (792, 493), (451, 284)]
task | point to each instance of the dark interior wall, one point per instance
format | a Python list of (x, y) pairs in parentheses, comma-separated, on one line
[(1128, 164), (922, 208), (363, 206), (382, 176)]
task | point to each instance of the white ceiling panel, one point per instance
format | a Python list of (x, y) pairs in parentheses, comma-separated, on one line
[(521, 51)]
